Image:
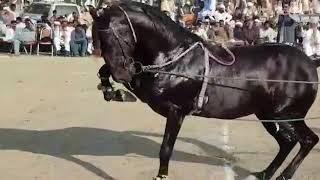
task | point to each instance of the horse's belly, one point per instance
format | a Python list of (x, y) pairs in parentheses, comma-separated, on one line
[(229, 104)]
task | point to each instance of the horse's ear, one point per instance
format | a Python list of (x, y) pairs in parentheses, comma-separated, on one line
[(93, 13)]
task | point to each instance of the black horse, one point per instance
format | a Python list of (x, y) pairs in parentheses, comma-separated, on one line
[(134, 33)]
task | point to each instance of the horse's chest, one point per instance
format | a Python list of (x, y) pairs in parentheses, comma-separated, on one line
[(179, 91)]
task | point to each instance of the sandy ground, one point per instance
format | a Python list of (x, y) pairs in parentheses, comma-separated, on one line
[(55, 125)]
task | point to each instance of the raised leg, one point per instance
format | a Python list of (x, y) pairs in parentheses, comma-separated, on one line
[(174, 122), (286, 143), (307, 140), (108, 91)]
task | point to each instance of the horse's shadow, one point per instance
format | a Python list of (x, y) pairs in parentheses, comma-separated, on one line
[(64, 143)]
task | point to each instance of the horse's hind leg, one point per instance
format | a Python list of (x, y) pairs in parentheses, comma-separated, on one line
[(286, 144), (307, 140)]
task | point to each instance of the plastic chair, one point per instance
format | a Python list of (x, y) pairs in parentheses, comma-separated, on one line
[(30, 44), (45, 41)]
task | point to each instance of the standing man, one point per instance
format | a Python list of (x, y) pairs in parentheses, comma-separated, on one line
[(287, 26)]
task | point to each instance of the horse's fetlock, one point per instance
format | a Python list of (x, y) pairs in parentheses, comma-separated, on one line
[(310, 140)]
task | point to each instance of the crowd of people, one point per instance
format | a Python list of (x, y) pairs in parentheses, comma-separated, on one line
[(251, 22), (237, 22), (70, 34)]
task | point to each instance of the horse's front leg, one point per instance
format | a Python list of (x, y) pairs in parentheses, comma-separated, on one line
[(173, 125), (105, 86)]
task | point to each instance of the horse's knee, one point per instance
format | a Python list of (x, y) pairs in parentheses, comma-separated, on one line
[(165, 152)]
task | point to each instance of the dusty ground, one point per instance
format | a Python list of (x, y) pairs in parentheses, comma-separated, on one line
[(55, 125)]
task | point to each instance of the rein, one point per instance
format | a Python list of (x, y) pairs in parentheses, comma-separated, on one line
[(151, 67)]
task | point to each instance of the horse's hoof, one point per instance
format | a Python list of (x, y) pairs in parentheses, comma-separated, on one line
[(108, 96), (99, 87), (282, 177), (162, 177), (260, 175)]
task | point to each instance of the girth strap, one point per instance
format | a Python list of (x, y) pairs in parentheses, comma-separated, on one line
[(205, 79)]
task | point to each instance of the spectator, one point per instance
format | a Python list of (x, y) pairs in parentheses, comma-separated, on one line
[(229, 28), (311, 39), (57, 36), (315, 6), (211, 32), (12, 10), (201, 31), (168, 7), (250, 32), (86, 17), (73, 17), (89, 38), (286, 27), (78, 41), (221, 14), (296, 7), (54, 17), (306, 6), (278, 8), (7, 16), (208, 9), (251, 10), (238, 31), (237, 15), (20, 23), (3, 28), (62, 37), (221, 33), (10, 31), (267, 33), (26, 34)]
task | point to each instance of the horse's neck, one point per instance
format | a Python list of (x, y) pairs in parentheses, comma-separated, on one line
[(160, 53), (156, 45)]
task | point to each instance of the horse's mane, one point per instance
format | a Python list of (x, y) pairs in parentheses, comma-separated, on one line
[(162, 23)]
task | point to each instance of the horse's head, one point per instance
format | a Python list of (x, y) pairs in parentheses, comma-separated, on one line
[(118, 40)]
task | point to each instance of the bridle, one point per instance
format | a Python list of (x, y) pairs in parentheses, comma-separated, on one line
[(127, 59)]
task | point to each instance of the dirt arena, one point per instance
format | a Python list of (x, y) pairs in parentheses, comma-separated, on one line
[(55, 125)]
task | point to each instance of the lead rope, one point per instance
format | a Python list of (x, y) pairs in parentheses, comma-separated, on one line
[(130, 24)]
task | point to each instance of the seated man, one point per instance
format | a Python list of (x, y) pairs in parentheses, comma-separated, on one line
[(27, 34), (78, 43), (311, 39), (61, 37), (10, 31)]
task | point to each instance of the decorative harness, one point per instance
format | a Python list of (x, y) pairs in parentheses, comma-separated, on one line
[(151, 68)]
